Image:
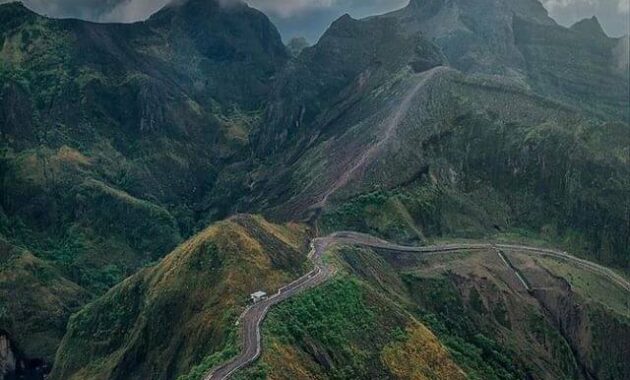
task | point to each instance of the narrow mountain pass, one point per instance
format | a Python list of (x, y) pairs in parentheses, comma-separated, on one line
[(252, 317)]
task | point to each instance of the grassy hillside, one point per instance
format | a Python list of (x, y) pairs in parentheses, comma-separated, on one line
[(455, 119), (513, 124), (346, 330), (35, 302), (561, 183), (166, 319), (401, 316), (506, 135)]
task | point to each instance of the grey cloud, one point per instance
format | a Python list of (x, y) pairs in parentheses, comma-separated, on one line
[(96, 10), (311, 17)]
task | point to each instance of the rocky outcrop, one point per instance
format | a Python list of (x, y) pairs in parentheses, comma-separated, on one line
[(8, 361), (476, 36), (13, 364), (597, 337), (351, 59), (589, 27)]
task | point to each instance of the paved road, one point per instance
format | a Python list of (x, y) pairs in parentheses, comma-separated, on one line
[(255, 314), (252, 318)]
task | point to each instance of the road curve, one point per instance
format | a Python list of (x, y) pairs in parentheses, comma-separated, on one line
[(253, 316)]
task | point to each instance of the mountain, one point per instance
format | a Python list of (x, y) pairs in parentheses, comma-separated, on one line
[(372, 320), (445, 120), (196, 292), (412, 151), (37, 301), (589, 27), (476, 36), (113, 144)]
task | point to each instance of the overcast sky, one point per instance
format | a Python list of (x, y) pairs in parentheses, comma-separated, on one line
[(310, 18)]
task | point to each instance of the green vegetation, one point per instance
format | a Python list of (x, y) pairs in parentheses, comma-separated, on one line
[(115, 141), (364, 322), (591, 286), (35, 301), (481, 356), (327, 313), (120, 142), (537, 182), (610, 336), (211, 361), (346, 330), (198, 291)]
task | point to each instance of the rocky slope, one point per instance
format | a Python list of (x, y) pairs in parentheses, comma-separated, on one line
[(36, 302), (489, 145)]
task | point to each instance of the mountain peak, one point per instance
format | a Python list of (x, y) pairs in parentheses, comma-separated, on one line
[(13, 14), (475, 35), (13, 5), (14, 9), (531, 10), (223, 29), (195, 7), (589, 26)]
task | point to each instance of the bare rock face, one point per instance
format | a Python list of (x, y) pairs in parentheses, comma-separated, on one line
[(7, 357), (476, 36), (351, 59), (590, 27), (14, 365)]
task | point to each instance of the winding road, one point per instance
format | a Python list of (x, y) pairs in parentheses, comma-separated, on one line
[(253, 316)]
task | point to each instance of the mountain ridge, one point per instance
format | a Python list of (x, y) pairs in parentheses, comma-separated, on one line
[(444, 120)]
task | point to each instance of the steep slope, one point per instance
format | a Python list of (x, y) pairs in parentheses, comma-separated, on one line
[(490, 145), (196, 293), (114, 138), (577, 66), (476, 36), (331, 77), (572, 325), (35, 304), (517, 40), (347, 330)]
